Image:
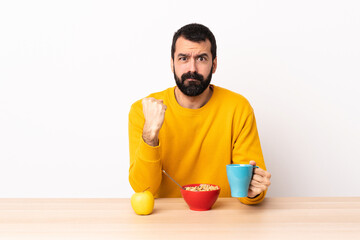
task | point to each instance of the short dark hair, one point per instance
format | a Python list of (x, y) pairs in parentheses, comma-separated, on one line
[(196, 33)]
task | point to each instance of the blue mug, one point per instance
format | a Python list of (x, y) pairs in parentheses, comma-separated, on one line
[(239, 177)]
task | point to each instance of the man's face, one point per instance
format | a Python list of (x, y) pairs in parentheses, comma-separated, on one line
[(193, 66)]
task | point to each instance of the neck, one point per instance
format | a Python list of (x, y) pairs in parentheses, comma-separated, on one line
[(193, 102)]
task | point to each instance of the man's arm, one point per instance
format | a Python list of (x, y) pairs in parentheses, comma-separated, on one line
[(144, 126), (247, 148)]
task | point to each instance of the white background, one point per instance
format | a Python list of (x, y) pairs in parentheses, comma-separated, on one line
[(69, 71)]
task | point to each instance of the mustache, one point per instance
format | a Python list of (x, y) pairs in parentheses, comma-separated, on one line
[(192, 75)]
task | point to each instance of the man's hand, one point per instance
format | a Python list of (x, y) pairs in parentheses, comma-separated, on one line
[(154, 113), (260, 181)]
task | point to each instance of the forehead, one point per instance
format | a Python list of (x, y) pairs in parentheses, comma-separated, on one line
[(188, 47)]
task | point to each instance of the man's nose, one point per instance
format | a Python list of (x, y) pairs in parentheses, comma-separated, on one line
[(192, 67)]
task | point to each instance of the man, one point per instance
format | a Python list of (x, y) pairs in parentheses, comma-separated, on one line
[(193, 130)]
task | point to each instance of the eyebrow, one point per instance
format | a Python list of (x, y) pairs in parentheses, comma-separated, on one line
[(187, 55)]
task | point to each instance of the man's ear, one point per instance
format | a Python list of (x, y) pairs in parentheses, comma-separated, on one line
[(172, 64), (214, 65)]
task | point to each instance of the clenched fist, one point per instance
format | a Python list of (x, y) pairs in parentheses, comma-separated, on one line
[(154, 113)]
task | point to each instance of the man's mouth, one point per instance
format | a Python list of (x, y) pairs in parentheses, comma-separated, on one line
[(192, 79)]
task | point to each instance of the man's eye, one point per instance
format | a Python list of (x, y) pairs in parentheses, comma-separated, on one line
[(201, 59), (182, 59)]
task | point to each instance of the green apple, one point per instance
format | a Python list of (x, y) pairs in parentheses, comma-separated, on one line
[(142, 202)]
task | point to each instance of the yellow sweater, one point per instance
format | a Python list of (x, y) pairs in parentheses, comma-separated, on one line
[(194, 144)]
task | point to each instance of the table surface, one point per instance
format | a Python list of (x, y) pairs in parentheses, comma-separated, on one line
[(274, 218)]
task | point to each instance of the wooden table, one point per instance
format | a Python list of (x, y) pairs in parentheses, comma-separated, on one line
[(275, 218)]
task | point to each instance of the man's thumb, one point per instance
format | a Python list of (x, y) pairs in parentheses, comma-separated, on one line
[(252, 162)]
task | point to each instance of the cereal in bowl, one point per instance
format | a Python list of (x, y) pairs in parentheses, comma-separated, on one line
[(202, 187)]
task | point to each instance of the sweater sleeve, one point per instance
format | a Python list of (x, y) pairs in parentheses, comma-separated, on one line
[(247, 147), (145, 165)]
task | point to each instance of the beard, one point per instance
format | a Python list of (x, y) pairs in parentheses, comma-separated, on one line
[(193, 88)]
